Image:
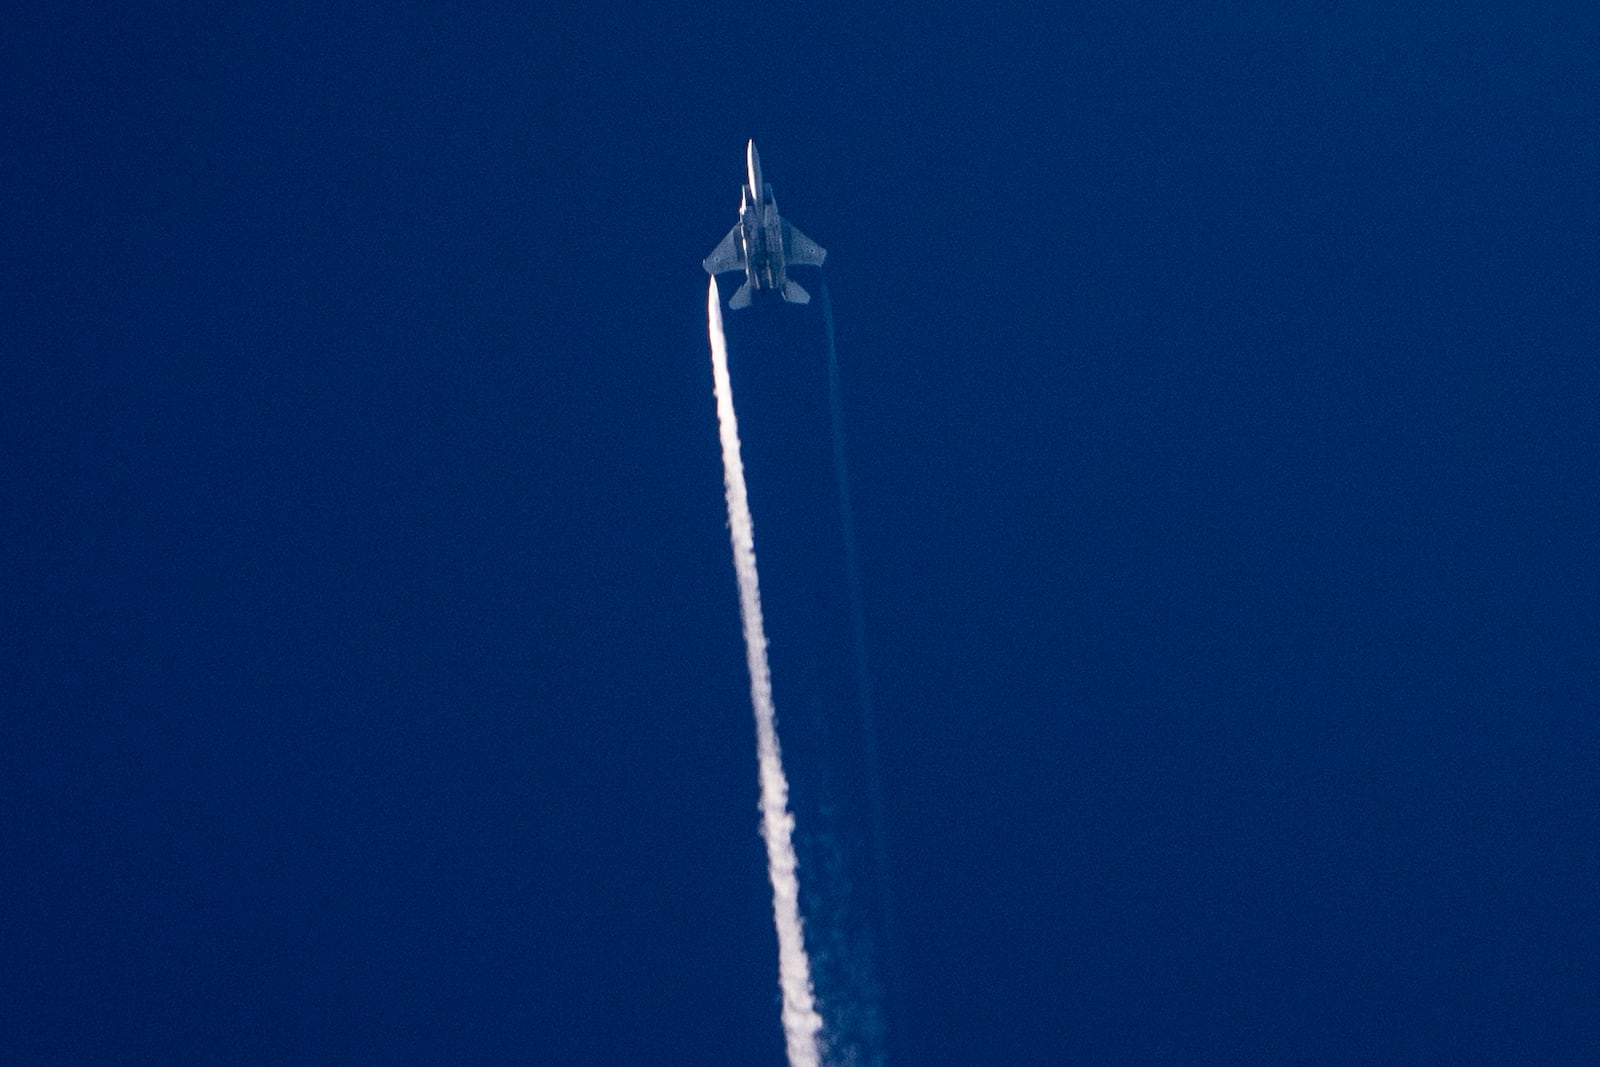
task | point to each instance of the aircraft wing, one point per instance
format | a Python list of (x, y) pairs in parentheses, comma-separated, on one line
[(800, 249), (727, 256)]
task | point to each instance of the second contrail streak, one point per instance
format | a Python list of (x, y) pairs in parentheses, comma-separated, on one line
[(801, 1021)]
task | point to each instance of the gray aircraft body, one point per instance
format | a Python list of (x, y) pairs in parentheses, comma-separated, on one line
[(762, 244)]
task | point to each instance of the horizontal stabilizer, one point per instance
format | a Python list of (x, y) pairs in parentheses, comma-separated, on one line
[(794, 294), (741, 299)]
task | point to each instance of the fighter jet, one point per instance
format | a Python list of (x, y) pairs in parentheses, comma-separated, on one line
[(763, 245)]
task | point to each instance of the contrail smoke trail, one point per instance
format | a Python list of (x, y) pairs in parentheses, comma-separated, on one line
[(858, 636), (852, 570), (801, 1021)]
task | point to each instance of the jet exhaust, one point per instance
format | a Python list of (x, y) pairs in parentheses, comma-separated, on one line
[(801, 1020)]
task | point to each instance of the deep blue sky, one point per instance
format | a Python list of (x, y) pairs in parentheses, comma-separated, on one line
[(1222, 401)]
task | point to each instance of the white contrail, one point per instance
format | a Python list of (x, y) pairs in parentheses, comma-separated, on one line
[(870, 1023), (801, 1021)]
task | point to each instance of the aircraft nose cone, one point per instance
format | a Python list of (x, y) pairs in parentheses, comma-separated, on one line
[(752, 161)]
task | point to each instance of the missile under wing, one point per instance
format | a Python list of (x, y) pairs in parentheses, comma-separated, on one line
[(762, 244)]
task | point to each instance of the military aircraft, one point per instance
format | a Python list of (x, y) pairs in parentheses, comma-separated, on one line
[(762, 244)]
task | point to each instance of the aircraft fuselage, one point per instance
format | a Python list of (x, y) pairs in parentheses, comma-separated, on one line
[(763, 244)]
